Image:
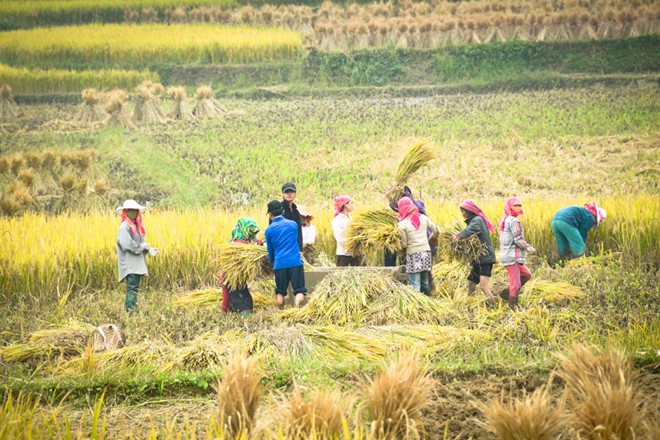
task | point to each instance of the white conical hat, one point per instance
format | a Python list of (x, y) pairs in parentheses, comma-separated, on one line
[(130, 204)]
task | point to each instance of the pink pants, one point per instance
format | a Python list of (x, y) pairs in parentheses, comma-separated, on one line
[(519, 274)]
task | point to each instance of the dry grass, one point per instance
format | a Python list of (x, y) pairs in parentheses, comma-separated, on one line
[(238, 394), (180, 109), (66, 340), (550, 292), (395, 399), (115, 106), (600, 395), (7, 103), (147, 103), (91, 110), (207, 106)]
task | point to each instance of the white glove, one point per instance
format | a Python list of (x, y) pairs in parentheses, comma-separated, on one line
[(153, 251)]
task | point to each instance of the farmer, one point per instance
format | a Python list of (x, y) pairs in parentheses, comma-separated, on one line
[(571, 225), (343, 209), (238, 299), (413, 227), (290, 210), (513, 248), (478, 224), (310, 252), (131, 250), (284, 253)]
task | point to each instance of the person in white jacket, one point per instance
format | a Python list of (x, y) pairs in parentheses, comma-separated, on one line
[(343, 209)]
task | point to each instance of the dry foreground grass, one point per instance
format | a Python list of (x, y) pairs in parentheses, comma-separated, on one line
[(551, 148)]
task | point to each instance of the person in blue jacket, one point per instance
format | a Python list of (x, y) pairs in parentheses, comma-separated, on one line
[(571, 225), (284, 253)]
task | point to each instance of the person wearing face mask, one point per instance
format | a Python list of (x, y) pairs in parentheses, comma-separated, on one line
[(343, 209), (132, 248), (513, 248)]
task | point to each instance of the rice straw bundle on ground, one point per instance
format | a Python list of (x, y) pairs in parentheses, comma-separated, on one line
[(550, 292), (395, 400), (147, 105), (419, 154), (66, 340), (448, 275), (263, 292), (464, 250), (600, 396), (242, 263), (320, 416), (373, 229), (115, 106), (534, 417), (91, 110), (200, 298), (283, 340), (7, 103), (207, 106), (205, 352), (180, 109), (334, 342)]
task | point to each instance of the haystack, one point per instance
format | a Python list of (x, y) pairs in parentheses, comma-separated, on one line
[(147, 105), (375, 230), (7, 103), (207, 106), (419, 154), (117, 110), (180, 109), (91, 111)]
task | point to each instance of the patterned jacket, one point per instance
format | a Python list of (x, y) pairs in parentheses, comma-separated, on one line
[(513, 246)]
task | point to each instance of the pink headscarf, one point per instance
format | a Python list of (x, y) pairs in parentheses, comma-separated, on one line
[(598, 213), (471, 205), (508, 210), (407, 209), (134, 226), (340, 202)]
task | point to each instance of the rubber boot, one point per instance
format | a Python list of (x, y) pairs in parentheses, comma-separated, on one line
[(504, 294), (513, 302)]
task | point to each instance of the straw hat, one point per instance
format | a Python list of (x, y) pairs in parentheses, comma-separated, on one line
[(130, 204)]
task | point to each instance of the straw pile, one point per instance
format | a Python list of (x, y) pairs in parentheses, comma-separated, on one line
[(91, 110), (116, 108), (550, 292), (375, 230), (418, 155), (7, 103), (200, 298), (147, 103), (242, 263), (207, 106), (180, 109), (464, 250), (66, 340)]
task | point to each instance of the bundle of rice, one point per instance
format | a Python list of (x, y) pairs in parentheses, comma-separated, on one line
[(375, 230), (203, 353), (207, 106), (464, 250), (449, 273), (66, 340), (320, 416), (283, 340), (91, 111), (7, 103), (242, 263), (180, 109), (107, 337), (200, 298), (418, 154), (116, 107), (550, 292), (147, 105)]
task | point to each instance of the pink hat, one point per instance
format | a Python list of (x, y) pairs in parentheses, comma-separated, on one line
[(599, 213)]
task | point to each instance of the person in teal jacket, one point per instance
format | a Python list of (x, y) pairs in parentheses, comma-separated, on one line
[(571, 225)]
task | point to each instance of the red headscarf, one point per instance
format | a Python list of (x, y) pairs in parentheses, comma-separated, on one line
[(408, 210), (471, 205), (134, 226), (598, 212), (508, 210), (340, 202)]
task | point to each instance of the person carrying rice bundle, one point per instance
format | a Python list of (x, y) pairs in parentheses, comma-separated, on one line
[(238, 299), (131, 250), (480, 225), (343, 208), (413, 227), (513, 249), (284, 253), (571, 225)]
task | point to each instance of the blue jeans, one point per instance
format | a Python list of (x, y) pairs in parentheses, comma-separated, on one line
[(419, 281)]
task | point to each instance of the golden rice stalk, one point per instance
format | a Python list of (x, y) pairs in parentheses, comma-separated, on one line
[(395, 400), (242, 263), (147, 105), (601, 398), (7, 103), (66, 340), (449, 273), (283, 340), (418, 155), (115, 106), (239, 392), (464, 250), (550, 292), (91, 110), (532, 418), (200, 298), (203, 353), (373, 229), (180, 109), (320, 416), (207, 106)]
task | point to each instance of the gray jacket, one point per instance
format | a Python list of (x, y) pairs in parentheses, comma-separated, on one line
[(477, 225), (513, 246), (131, 252)]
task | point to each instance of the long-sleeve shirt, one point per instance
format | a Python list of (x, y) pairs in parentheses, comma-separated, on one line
[(282, 243), (477, 226), (339, 226), (416, 240), (513, 246), (131, 251), (578, 217)]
